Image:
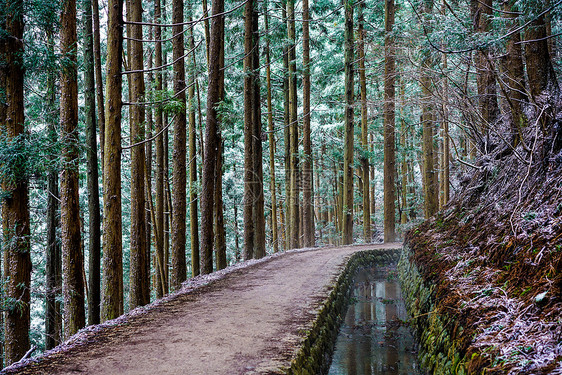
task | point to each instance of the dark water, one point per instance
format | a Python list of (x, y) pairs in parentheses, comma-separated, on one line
[(374, 338)]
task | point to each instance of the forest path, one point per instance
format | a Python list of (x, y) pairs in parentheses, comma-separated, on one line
[(248, 321)]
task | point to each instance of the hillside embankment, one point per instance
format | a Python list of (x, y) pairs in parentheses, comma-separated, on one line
[(492, 260)]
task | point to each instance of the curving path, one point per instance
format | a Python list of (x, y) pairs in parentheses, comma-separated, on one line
[(249, 319)]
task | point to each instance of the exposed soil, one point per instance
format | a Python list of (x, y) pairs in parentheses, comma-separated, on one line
[(248, 319), (495, 256)]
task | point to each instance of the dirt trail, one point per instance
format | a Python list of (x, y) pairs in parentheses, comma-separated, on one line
[(249, 321)]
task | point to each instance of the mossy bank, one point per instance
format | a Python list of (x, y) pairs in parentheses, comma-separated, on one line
[(439, 334)]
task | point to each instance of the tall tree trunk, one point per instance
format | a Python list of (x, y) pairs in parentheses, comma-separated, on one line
[(207, 29), (272, 186), (286, 138), (486, 81), (15, 208), (167, 207), (220, 236), (112, 302), (148, 166), (211, 139), (193, 200), (513, 77), (308, 206), (259, 215), (139, 287), (93, 176), (364, 126), (249, 144), (430, 186), (159, 176), (539, 65), (179, 272), (347, 207), (98, 76), (445, 159), (389, 120), (53, 265), (73, 281), (293, 209), (249, 225)]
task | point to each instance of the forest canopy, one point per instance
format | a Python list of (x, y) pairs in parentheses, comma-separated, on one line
[(146, 142)]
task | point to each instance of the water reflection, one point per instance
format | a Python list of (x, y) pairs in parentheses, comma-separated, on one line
[(373, 338)]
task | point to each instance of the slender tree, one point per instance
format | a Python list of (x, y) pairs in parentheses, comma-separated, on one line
[(540, 70), (211, 139), (249, 225), (160, 263), (389, 119), (112, 302), (179, 201), (486, 81), (347, 208), (53, 261), (193, 200), (220, 231), (272, 187), (286, 137), (364, 125), (258, 212), (308, 206), (73, 281), (15, 207), (98, 75), (92, 164), (139, 288), (512, 79), (293, 128), (430, 184)]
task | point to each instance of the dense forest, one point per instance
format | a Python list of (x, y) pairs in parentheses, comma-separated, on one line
[(143, 142)]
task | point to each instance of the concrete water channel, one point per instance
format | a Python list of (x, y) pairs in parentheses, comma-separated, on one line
[(375, 337)]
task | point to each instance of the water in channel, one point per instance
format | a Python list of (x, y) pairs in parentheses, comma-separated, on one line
[(374, 337)]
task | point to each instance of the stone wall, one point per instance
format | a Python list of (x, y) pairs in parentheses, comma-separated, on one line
[(437, 333)]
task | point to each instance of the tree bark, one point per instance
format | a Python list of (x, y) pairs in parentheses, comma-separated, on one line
[(430, 185), (211, 139), (539, 65), (179, 210), (15, 208), (159, 146), (259, 215), (347, 207), (220, 236), (139, 287), (73, 281), (513, 77), (293, 126), (112, 302), (92, 165), (53, 261), (194, 202), (486, 81), (249, 225), (389, 126), (272, 186), (148, 170), (364, 127), (308, 206), (98, 75), (252, 139), (287, 139)]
